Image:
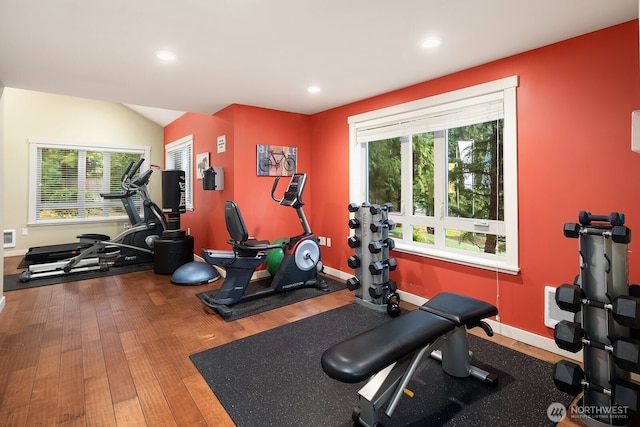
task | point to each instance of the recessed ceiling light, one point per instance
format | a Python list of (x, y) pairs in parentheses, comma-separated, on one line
[(166, 55), (431, 42), (313, 89)]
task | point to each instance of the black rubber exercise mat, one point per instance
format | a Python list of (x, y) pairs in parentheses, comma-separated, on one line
[(275, 379), (12, 282), (280, 299)]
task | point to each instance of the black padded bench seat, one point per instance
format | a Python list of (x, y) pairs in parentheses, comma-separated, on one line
[(388, 354), (460, 309), (362, 355)]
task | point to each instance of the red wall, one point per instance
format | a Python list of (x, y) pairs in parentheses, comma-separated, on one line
[(574, 105), (244, 128)]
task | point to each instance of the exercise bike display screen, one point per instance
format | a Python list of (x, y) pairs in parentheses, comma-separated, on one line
[(296, 185)]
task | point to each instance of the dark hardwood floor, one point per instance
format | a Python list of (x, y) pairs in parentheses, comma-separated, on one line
[(115, 351)]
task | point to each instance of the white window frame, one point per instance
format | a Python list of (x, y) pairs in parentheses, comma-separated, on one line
[(184, 144), (504, 89), (37, 143)]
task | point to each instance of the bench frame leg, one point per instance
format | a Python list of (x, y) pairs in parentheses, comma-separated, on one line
[(452, 349), (456, 357), (387, 384)]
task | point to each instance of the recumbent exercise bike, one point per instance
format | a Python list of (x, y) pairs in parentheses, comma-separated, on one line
[(99, 251), (298, 268)]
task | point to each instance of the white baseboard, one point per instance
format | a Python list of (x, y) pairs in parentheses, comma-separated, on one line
[(336, 273)]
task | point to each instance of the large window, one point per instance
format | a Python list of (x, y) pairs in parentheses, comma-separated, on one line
[(67, 178), (448, 164), (179, 156)]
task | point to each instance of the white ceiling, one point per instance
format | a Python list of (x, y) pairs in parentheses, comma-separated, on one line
[(267, 52)]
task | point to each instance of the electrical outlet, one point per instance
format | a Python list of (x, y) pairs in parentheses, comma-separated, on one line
[(322, 241), (25, 231), (328, 242)]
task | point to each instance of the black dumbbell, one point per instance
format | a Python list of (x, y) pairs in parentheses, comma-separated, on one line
[(353, 261), (624, 309), (393, 305), (625, 351), (377, 245), (353, 207), (392, 286), (375, 226), (353, 283), (388, 207), (614, 218), (376, 290), (354, 223), (569, 378), (375, 209), (571, 230), (377, 267), (621, 234), (353, 241)]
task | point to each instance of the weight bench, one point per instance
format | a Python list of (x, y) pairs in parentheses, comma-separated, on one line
[(389, 354)]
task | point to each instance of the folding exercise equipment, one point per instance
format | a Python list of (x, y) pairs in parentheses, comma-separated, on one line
[(389, 354)]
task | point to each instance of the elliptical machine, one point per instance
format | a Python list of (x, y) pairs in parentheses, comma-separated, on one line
[(100, 252), (299, 266)]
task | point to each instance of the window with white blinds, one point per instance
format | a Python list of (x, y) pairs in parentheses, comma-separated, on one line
[(67, 178), (448, 165), (179, 156)]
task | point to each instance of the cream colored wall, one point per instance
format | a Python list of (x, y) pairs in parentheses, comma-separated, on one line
[(2, 300), (30, 114)]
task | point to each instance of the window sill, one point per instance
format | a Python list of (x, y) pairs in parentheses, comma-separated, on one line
[(47, 223), (456, 258)]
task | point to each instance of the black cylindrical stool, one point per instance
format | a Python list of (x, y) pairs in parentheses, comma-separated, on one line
[(169, 254)]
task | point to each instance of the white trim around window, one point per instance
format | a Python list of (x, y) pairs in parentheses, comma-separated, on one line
[(36, 144), (405, 119)]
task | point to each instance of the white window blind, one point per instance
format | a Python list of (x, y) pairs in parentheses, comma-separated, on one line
[(465, 113), (179, 156)]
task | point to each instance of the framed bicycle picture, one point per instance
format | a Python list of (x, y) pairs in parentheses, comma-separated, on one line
[(276, 160)]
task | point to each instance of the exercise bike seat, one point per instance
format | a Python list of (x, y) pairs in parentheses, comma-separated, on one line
[(240, 240)]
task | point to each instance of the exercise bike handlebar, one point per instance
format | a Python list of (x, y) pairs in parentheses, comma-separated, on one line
[(273, 190), (293, 193)]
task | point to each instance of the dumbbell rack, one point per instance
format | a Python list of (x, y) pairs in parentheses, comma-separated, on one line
[(370, 240), (602, 280)]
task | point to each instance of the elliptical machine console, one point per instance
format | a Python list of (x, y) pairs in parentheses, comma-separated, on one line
[(299, 266)]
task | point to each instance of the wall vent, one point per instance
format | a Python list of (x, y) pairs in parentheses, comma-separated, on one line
[(9, 238), (552, 313)]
